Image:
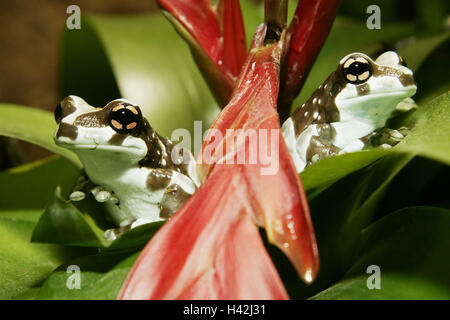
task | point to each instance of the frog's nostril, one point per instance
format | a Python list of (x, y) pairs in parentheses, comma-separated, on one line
[(58, 113)]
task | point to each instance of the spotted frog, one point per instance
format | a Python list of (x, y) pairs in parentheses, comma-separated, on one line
[(142, 177), (349, 111)]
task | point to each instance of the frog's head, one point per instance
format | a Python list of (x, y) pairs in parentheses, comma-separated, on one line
[(117, 131), (371, 89)]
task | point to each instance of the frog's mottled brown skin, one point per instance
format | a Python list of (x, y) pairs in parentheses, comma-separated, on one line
[(146, 176), (349, 108)]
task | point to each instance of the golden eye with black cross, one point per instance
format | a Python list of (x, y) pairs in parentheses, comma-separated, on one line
[(357, 69), (125, 118)]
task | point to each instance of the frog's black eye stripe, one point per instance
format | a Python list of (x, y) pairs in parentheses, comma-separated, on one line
[(357, 70), (124, 118), (58, 113), (402, 62)]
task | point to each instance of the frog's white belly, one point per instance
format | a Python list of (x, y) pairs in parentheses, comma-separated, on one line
[(136, 200)]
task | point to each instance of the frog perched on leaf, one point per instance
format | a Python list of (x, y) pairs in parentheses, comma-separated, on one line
[(349, 111), (141, 176)]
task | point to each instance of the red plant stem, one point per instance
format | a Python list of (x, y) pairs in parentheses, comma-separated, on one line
[(306, 34)]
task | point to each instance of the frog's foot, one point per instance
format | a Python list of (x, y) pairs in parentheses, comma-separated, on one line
[(78, 193), (102, 195), (77, 196), (388, 137), (319, 149), (114, 233), (141, 221)]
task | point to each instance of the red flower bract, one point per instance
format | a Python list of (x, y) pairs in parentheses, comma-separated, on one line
[(216, 37), (211, 248)]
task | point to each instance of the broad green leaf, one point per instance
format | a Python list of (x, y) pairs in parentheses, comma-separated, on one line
[(31, 125), (101, 277), (327, 171), (430, 132), (410, 247), (26, 190), (419, 50), (83, 224), (136, 238), (63, 223), (24, 265), (151, 64)]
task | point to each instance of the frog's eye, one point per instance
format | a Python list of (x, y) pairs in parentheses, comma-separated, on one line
[(58, 113), (357, 70), (124, 118)]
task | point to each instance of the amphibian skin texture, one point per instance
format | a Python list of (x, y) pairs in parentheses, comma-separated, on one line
[(141, 176), (349, 109)]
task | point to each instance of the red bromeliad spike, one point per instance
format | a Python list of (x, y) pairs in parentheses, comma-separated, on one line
[(211, 248), (308, 31), (216, 37), (277, 200)]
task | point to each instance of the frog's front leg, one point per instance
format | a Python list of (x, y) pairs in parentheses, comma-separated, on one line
[(81, 188), (85, 186), (386, 138), (320, 146)]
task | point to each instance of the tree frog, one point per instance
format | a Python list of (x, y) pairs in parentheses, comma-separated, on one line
[(350, 109), (141, 176)]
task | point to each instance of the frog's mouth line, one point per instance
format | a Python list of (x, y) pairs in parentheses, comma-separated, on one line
[(407, 92), (75, 146)]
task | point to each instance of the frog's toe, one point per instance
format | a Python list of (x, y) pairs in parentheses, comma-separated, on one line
[(110, 235), (140, 222), (114, 199), (396, 135), (100, 194), (77, 196), (113, 234), (386, 146), (404, 131)]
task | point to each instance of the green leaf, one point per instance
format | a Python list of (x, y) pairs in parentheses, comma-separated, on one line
[(416, 52), (411, 248), (430, 132), (83, 224), (136, 238), (327, 171), (24, 265), (154, 69), (26, 190), (101, 277), (31, 125), (63, 223)]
